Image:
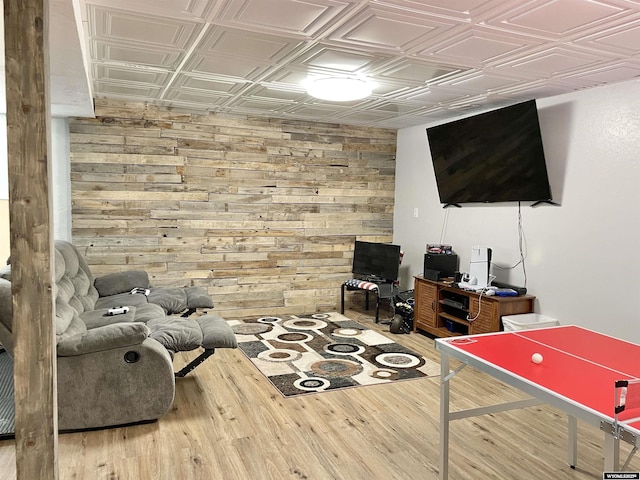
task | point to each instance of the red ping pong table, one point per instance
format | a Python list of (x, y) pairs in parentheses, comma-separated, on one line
[(577, 375)]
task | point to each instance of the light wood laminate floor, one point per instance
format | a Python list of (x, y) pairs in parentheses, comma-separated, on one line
[(228, 422)]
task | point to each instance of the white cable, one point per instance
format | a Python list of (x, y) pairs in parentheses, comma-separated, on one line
[(479, 307), (522, 247), (444, 225)]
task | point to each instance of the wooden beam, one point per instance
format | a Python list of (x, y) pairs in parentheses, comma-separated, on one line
[(26, 24)]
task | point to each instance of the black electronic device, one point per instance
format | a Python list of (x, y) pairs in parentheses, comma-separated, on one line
[(519, 290), (445, 265), (433, 275), (495, 156), (380, 260), (406, 295), (459, 304)]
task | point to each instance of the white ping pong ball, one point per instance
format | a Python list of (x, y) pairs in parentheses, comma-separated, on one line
[(536, 358)]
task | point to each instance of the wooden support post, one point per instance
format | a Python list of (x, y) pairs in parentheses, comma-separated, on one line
[(26, 25)]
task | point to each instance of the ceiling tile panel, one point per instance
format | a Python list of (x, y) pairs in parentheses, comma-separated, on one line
[(246, 45), (114, 25), (297, 18), (168, 8), (336, 59), (133, 55), (427, 60), (249, 105), (196, 97), (435, 95), (623, 38), (478, 46), (465, 10), (394, 108), (556, 18), (290, 75), (603, 75), (320, 108), (418, 72), (481, 82), (387, 29), (223, 66), (538, 89), (273, 93), (215, 86), (126, 91), (551, 62), (131, 75)]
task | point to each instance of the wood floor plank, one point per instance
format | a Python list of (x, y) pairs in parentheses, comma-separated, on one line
[(229, 422)]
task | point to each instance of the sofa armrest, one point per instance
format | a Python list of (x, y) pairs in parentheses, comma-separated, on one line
[(107, 337), (115, 387)]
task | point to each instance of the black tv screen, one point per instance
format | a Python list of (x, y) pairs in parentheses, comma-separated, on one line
[(380, 260), (495, 156)]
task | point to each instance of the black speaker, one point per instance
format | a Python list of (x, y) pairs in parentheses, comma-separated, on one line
[(445, 265)]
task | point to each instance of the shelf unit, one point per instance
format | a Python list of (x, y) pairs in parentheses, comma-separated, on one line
[(445, 311)]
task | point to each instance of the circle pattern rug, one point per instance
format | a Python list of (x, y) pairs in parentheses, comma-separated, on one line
[(325, 351)]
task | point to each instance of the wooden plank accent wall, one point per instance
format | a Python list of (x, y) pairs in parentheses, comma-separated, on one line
[(261, 212)]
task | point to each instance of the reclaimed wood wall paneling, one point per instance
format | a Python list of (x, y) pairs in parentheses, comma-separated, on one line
[(261, 212)]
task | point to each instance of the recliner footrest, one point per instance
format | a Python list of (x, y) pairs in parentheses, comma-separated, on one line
[(216, 332), (180, 334), (194, 363)]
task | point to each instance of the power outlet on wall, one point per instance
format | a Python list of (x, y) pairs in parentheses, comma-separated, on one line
[(415, 212)]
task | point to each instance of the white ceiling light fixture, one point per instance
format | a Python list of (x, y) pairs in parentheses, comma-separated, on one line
[(339, 89)]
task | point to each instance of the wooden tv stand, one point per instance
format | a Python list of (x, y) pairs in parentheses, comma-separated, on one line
[(442, 310)]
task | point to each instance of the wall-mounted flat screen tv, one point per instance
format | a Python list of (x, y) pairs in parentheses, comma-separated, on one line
[(495, 156), (381, 260)]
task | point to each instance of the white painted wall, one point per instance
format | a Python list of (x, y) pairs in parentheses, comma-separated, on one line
[(583, 257), (61, 179), (5, 245)]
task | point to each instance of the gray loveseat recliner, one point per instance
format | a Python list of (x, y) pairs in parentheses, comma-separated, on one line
[(117, 369)]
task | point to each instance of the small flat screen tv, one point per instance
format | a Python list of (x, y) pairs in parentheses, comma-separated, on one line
[(380, 260), (495, 156)]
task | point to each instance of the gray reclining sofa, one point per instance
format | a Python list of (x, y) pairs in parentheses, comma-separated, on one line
[(116, 369)]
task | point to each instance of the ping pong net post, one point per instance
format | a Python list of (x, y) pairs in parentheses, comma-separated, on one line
[(627, 405)]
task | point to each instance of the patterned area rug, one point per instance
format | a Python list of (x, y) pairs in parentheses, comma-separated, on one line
[(325, 351), (6, 396)]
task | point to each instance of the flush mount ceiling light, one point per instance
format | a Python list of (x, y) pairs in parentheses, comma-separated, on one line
[(338, 89)]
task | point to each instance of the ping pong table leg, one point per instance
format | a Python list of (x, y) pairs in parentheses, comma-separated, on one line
[(611, 453), (444, 416), (573, 441)]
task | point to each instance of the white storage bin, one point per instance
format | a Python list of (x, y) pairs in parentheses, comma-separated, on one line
[(527, 321)]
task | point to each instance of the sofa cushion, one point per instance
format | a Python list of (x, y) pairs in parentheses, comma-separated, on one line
[(216, 332), (121, 282), (148, 311), (100, 317), (75, 327), (121, 300), (73, 277), (64, 315), (172, 300), (176, 333), (70, 257), (198, 297)]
